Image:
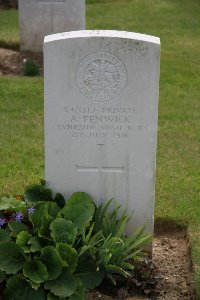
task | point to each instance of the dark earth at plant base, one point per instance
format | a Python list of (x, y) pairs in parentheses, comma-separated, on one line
[(12, 62), (171, 255), (7, 4)]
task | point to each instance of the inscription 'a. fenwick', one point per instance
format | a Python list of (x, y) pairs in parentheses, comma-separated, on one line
[(101, 76)]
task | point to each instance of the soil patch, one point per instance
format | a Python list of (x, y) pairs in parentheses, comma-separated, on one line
[(6, 4), (12, 62), (171, 255)]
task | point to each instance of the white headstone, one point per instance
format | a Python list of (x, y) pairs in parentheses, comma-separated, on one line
[(101, 104), (38, 18)]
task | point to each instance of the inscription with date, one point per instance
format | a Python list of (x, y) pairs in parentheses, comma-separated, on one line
[(99, 122)]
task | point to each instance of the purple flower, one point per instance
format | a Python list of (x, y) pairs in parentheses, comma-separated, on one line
[(19, 217), (31, 210), (2, 222)]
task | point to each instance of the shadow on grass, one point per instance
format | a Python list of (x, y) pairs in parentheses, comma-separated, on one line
[(10, 46), (166, 226)]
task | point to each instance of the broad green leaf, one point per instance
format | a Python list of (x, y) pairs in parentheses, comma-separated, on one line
[(34, 285), (17, 227), (37, 192), (18, 288), (51, 258), (90, 280), (37, 243), (79, 294), (36, 271), (40, 215), (69, 255), (52, 208), (85, 265), (60, 200), (4, 236), (2, 276), (79, 209), (12, 204), (11, 257), (22, 240), (53, 297), (63, 231), (64, 286), (44, 231), (89, 274), (41, 218)]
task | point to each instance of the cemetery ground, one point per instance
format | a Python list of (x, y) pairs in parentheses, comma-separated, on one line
[(177, 23)]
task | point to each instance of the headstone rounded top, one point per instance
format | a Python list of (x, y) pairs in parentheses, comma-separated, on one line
[(101, 33)]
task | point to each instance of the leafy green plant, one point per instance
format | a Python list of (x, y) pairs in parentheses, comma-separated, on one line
[(59, 250), (108, 220), (31, 68), (117, 250), (11, 203)]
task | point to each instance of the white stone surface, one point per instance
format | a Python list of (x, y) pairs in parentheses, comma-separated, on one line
[(101, 104), (38, 18)]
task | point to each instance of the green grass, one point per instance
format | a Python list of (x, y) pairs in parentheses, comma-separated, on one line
[(9, 31), (21, 133), (177, 23)]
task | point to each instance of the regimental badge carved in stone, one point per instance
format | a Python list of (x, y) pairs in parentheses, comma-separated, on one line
[(101, 76)]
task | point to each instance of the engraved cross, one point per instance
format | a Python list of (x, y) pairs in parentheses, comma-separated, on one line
[(100, 169)]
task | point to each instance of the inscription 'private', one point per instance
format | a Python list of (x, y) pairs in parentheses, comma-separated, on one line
[(104, 110)]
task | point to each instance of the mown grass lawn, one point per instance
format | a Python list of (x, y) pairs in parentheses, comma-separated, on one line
[(177, 23), (9, 31), (21, 133)]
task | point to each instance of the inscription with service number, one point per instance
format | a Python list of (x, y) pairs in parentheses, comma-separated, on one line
[(96, 122)]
